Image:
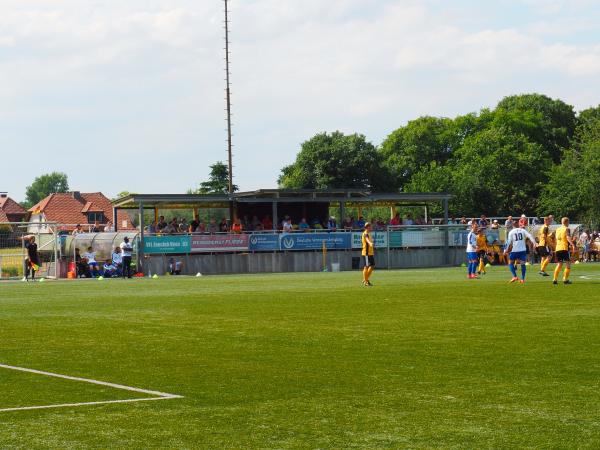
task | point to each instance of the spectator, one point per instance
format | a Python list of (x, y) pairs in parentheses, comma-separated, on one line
[(96, 227), (175, 267), (409, 220), (152, 229), (212, 226), (162, 224), (255, 223), (584, 241), (108, 228), (347, 224), (90, 257), (463, 220), (483, 222), (303, 225), (396, 220), (332, 224), (246, 224), (495, 225), (552, 221), (77, 230), (170, 228), (117, 260), (509, 224), (360, 223), (201, 227), (194, 224), (223, 226), (267, 223), (286, 225), (237, 226), (183, 226), (127, 252)]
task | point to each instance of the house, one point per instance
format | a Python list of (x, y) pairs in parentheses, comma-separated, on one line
[(11, 211), (77, 208)]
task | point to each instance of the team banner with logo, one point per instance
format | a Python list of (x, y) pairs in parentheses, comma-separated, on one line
[(219, 243), (167, 244), (314, 241), (379, 238), (263, 242)]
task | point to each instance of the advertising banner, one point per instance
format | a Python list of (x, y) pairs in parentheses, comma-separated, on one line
[(395, 239), (166, 244), (314, 241), (263, 242), (379, 238), (219, 243)]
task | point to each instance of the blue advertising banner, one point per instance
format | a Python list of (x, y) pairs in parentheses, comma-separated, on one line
[(167, 244), (314, 241), (263, 242)]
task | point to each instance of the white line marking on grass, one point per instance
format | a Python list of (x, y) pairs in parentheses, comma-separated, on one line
[(157, 394)]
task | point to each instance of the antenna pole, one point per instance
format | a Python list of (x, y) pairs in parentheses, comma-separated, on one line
[(228, 98)]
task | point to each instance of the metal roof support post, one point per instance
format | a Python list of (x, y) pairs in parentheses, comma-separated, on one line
[(275, 219), (140, 258), (446, 234), (342, 213)]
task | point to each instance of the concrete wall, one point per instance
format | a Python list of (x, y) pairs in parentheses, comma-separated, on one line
[(236, 263)]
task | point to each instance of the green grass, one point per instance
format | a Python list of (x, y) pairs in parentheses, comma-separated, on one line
[(425, 359)]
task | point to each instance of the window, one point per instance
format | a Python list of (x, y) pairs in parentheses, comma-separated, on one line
[(95, 217)]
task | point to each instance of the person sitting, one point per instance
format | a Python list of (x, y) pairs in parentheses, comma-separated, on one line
[(332, 224), (81, 267), (90, 257), (110, 270), (117, 260), (175, 267), (77, 230), (396, 220), (347, 224), (212, 226), (223, 226), (255, 222), (286, 225), (267, 223), (360, 223), (303, 225), (236, 226)]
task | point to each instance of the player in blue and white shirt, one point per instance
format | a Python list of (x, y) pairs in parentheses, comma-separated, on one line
[(516, 242), (472, 251)]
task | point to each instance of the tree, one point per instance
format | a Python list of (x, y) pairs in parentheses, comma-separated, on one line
[(123, 194), (218, 180), (336, 160), (551, 122), (45, 185)]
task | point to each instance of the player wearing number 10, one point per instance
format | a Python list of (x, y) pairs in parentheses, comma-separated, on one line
[(517, 243)]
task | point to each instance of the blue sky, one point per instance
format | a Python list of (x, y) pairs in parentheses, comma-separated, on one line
[(129, 95)]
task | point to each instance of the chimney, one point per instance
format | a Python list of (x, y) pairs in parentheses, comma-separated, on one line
[(3, 194), (76, 195)]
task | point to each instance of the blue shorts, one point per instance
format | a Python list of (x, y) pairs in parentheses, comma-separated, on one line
[(94, 263), (521, 256), (472, 256)]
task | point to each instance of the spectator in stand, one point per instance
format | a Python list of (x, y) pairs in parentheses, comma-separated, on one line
[(175, 267), (332, 224), (483, 222), (584, 241), (162, 224), (96, 227), (286, 225), (183, 226), (90, 257), (108, 228), (303, 225), (464, 221), (194, 224), (117, 260), (360, 223), (267, 223), (77, 230), (451, 221), (152, 228), (255, 223), (109, 269), (212, 226), (347, 224), (127, 252), (536, 221), (201, 227), (246, 224), (223, 226), (509, 224), (495, 225), (236, 226), (409, 220), (396, 220), (170, 228)]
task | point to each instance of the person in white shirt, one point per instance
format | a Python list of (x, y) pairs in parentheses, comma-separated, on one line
[(472, 251), (517, 243), (90, 257), (117, 260), (126, 252), (286, 225)]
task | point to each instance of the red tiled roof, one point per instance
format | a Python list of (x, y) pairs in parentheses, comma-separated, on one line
[(66, 209), (9, 206), (3, 217)]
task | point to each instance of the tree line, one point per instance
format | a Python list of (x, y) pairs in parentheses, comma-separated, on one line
[(530, 154)]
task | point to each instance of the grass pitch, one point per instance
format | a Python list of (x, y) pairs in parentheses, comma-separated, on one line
[(424, 359)]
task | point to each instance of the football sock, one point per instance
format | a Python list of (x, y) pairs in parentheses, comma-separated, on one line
[(567, 273), (523, 271), (557, 272), (481, 265), (365, 270), (513, 269), (369, 272), (546, 262)]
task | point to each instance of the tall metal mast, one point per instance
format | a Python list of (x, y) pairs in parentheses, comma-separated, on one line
[(228, 98)]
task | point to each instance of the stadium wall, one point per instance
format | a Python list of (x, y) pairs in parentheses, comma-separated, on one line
[(281, 262)]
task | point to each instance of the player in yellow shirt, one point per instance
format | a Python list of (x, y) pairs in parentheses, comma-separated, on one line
[(368, 254), (564, 243), (482, 249), (544, 247)]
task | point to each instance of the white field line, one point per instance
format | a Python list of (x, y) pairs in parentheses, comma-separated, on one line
[(157, 395)]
